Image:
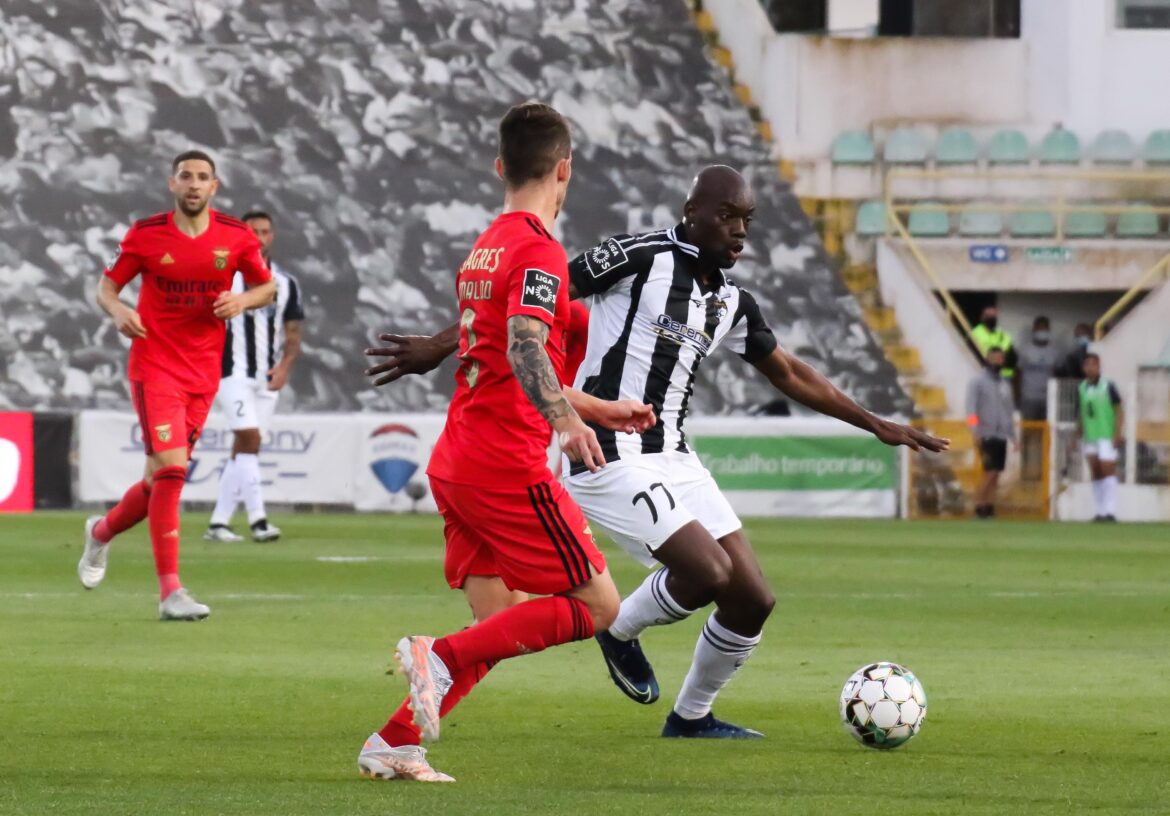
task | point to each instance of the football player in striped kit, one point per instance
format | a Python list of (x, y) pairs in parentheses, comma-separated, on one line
[(258, 355)]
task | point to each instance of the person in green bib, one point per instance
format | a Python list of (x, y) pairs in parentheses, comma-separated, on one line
[(1099, 420), (987, 335)]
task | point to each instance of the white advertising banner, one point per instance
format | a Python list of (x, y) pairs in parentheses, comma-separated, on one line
[(376, 462)]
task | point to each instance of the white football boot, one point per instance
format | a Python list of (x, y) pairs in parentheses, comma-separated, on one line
[(378, 760), (429, 682), (179, 606), (223, 533), (262, 531), (91, 569)]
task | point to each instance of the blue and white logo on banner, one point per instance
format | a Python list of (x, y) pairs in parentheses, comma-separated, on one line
[(393, 455), (988, 253)]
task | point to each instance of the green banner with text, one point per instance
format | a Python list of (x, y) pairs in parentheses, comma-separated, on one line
[(798, 462)]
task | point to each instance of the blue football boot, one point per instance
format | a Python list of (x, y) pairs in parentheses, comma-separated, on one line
[(706, 728), (629, 668)]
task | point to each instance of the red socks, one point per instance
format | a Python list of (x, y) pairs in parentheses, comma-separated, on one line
[(401, 730), (163, 513), (525, 628), (125, 514)]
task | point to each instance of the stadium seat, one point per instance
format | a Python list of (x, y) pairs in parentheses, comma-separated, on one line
[(1008, 147), (980, 223), (1139, 222), (905, 146), (871, 219), (956, 146), (1157, 148), (1033, 224), (1113, 147), (853, 147), (927, 222), (1060, 146), (1084, 224)]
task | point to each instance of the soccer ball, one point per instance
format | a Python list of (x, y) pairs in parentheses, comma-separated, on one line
[(883, 705)]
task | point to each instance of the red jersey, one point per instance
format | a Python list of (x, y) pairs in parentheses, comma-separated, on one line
[(576, 340), (494, 436), (181, 278)]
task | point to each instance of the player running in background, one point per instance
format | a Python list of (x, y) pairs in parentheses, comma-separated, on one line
[(1100, 419), (510, 527), (660, 304), (258, 354), (186, 258)]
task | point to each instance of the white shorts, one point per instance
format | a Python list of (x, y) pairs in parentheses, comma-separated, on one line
[(643, 501), (246, 403), (1103, 449)]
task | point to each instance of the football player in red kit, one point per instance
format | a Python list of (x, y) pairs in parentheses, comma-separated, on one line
[(186, 259), (511, 528)]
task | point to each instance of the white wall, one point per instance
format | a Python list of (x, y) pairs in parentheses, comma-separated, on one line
[(812, 88), (1090, 75), (1138, 338), (1071, 66)]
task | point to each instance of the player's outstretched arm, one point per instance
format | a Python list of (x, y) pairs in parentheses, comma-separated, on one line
[(538, 380), (800, 381), (411, 354), (626, 416), (125, 318)]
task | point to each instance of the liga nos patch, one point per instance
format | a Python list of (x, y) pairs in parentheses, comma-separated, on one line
[(540, 290)]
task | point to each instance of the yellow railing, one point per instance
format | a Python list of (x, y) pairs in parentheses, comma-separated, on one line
[(1060, 202), (1146, 281)]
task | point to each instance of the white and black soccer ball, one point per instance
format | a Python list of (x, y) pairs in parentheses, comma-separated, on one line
[(883, 705)]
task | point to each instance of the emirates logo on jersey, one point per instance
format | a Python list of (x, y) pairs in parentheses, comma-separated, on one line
[(221, 258)]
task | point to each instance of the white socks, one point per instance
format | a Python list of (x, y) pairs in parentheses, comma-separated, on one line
[(1109, 495), (248, 481), (1105, 496), (719, 653), (229, 495), (648, 605)]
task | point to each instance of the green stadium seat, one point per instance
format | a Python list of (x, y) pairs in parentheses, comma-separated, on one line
[(980, 223), (1008, 147), (1084, 224), (927, 222), (853, 147), (1139, 222), (956, 146), (1157, 148), (1060, 146), (871, 219), (1032, 224), (1113, 147), (905, 146)]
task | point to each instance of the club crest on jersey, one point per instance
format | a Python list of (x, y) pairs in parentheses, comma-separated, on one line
[(163, 432), (605, 257), (167, 260), (221, 257), (716, 309), (540, 290)]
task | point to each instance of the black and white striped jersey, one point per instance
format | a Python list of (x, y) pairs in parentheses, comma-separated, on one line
[(255, 339), (651, 325)]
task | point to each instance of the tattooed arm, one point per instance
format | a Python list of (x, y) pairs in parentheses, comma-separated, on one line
[(538, 381)]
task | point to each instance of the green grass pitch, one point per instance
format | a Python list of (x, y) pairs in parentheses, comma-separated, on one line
[(1043, 649)]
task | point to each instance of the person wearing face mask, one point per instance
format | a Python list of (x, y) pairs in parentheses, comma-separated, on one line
[(1074, 361), (989, 415), (987, 335), (1037, 361)]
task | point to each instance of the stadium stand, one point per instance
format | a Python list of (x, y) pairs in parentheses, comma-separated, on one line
[(368, 129)]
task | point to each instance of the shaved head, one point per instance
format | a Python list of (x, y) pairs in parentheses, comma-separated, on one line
[(720, 182), (717, 214)]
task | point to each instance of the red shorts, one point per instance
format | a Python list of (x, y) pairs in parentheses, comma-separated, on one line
[(535, 538), (170, 417)]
